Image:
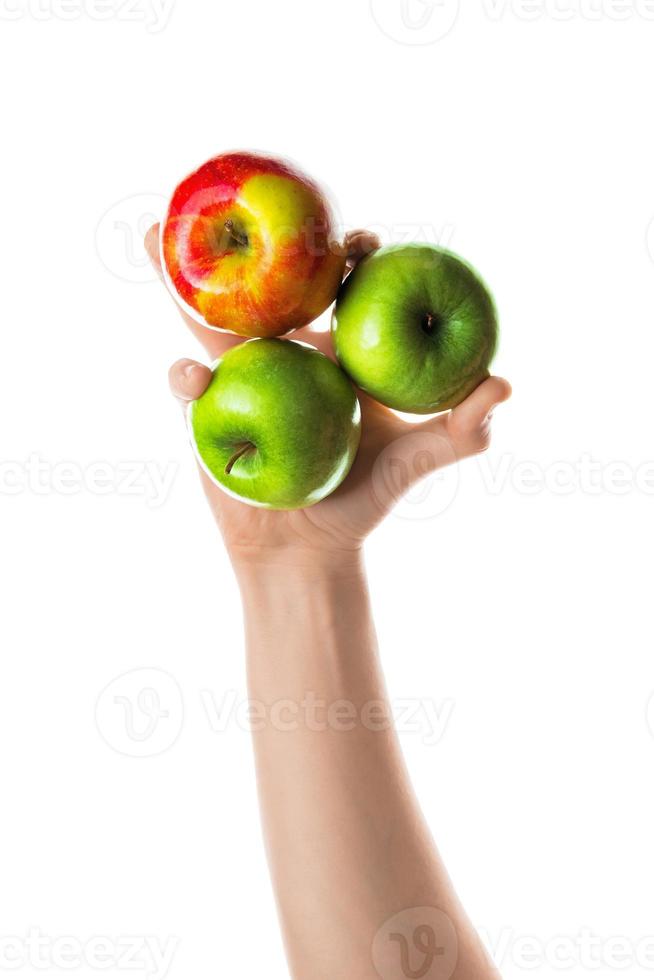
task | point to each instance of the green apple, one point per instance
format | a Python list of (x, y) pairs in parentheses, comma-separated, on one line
[(415, 327), (278, 425)]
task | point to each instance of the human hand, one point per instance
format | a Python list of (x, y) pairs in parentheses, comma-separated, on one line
[(393, 455)]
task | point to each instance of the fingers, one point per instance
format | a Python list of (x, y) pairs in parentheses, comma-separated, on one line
[(214, 342), (358, 243), (321, 339), (482, 401), (188, 380), (151, 242)]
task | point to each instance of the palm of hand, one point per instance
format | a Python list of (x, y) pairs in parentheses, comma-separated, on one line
[(393, 455)]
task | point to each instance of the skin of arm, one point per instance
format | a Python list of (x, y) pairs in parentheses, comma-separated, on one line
[(360, 886)]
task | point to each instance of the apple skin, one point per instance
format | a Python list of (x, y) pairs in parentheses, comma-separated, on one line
[(290, 411), (248, 245), (415, 327)]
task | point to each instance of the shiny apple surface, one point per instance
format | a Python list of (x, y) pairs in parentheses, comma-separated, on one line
[(249, 245)]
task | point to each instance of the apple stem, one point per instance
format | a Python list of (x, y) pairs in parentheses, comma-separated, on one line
[(430, 323), (241, 451), (239, 239)]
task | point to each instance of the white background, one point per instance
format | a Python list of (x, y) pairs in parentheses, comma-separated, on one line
[(522, 138)]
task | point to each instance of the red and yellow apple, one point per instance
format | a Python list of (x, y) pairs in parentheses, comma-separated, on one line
[(249, 245)]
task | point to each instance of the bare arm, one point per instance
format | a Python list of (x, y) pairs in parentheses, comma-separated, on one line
[(361, 889), (348, 848)]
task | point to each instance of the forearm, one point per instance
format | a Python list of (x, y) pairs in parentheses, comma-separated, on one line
[(347, 844)]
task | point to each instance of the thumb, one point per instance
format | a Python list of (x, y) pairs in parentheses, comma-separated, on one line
[(468, 425), (441, 441), (151, 243)]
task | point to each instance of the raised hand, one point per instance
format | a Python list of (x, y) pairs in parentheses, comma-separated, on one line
[(393, 455)]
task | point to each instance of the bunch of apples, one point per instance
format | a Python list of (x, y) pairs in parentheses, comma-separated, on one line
[(249, 245)]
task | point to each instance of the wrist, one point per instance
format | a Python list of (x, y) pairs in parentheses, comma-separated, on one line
[(253, 563), (279, 583), (306, 608)]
